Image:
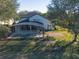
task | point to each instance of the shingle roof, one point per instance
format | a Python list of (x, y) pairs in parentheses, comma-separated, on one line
[(30, 14), (27, 16)]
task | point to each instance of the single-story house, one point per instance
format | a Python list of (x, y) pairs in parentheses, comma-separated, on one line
[(31, 24)]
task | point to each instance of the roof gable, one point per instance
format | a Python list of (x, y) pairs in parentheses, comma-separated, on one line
[(30, 14)]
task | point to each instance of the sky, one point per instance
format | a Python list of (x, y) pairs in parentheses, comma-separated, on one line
[(33, 5)]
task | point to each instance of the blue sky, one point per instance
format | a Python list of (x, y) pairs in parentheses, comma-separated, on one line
[(31, 5)]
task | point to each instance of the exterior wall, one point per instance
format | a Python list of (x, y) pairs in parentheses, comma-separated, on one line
[(42, 20), (29, 23), (9, 22), (23, 33)]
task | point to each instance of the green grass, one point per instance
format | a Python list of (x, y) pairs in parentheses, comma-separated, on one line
[(36, 49), (60, 34), (67, 36)]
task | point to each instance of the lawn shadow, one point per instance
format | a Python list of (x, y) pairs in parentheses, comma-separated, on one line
[(12, 51), (31, 49)]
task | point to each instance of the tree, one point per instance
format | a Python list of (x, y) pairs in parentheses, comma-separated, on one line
[(22, 13), (67, 13), (8, 9)]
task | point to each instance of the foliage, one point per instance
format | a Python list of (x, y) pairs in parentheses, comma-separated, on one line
[(8, 9), (3, 30), (22, 13), (66, 11)]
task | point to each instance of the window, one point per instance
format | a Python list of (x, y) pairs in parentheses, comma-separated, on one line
[(25, 27), (33, 27)]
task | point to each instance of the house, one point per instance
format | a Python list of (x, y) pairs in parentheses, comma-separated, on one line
[(31, 24)]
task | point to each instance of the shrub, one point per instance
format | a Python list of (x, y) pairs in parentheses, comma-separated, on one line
[(3, 30)]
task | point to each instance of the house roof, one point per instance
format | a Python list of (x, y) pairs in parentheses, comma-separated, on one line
[(30, 14), (27, 16)]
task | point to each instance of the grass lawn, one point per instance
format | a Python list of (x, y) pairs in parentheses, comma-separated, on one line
[(33, 49), (60, 35), (38, 49)]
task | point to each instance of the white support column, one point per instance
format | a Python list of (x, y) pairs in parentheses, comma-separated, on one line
[(30, 27)]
